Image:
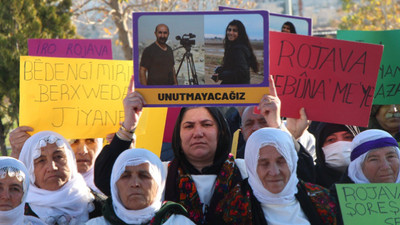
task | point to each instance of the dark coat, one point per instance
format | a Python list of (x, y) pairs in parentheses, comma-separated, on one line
[(241, 206), (236, 68)]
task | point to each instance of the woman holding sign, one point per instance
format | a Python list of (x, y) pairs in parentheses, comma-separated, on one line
[(202, 171), (273, 194), (238, 56)]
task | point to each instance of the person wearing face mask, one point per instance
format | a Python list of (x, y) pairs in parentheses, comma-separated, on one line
[(333, 151)]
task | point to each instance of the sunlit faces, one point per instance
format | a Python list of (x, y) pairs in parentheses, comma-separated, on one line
[(338, 136), (232, 32), (199, 135), (162, 33), (286, 28), (381, 165), (388, 117), (11, 192), (251, 122), (272, 169), (51, 168), (136, 187), (85, 151)]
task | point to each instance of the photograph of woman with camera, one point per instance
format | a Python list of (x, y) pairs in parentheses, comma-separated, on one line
[(238, 56)]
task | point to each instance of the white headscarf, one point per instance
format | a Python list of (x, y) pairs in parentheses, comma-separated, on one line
[(71, 203), (134, 157), (14, 168), (285, 146), (361, 145), (89, 175)]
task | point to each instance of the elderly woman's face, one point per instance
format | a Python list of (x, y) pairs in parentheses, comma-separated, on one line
[(85, 151), (272, 169), (51, 168), (136, 187), (381, 165), (388, 117), (199, 135), (11, 192)]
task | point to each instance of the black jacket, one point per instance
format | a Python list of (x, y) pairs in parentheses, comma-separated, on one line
[(236, 69)]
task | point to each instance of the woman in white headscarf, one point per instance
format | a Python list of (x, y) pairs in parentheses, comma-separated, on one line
[(137, 185), (272, 189), (86, 151), (14, 184), (374, 158), (58, 194)]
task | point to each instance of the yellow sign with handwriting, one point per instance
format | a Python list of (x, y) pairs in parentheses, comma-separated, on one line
[(82, 98)]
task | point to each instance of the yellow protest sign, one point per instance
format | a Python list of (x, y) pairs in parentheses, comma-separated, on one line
[(82, 98)]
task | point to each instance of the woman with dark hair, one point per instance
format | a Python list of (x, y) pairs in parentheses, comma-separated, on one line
[(202, 171), (288, 27), (238, 56)]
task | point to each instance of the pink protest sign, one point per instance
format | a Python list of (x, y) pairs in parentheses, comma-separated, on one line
[(71, 48), (334, 80)]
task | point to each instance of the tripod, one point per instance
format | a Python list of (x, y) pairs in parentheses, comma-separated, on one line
[(191, 70)]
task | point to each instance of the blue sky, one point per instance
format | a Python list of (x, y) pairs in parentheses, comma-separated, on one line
[(178, 25), (211, 25), (216, 24)]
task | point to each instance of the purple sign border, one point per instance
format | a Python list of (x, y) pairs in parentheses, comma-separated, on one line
[(135, 18)]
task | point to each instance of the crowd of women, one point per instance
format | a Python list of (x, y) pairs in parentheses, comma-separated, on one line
[(52, 180)]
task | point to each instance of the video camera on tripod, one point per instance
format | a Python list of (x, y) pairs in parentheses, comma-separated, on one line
[(187, 41)]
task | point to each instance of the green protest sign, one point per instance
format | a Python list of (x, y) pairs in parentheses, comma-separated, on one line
[(387, 90), (369, 203)]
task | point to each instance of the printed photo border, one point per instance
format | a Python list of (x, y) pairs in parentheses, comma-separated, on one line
[(204, 33), (303, 24)]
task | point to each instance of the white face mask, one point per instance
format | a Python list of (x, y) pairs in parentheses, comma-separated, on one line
[(337, 155)]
